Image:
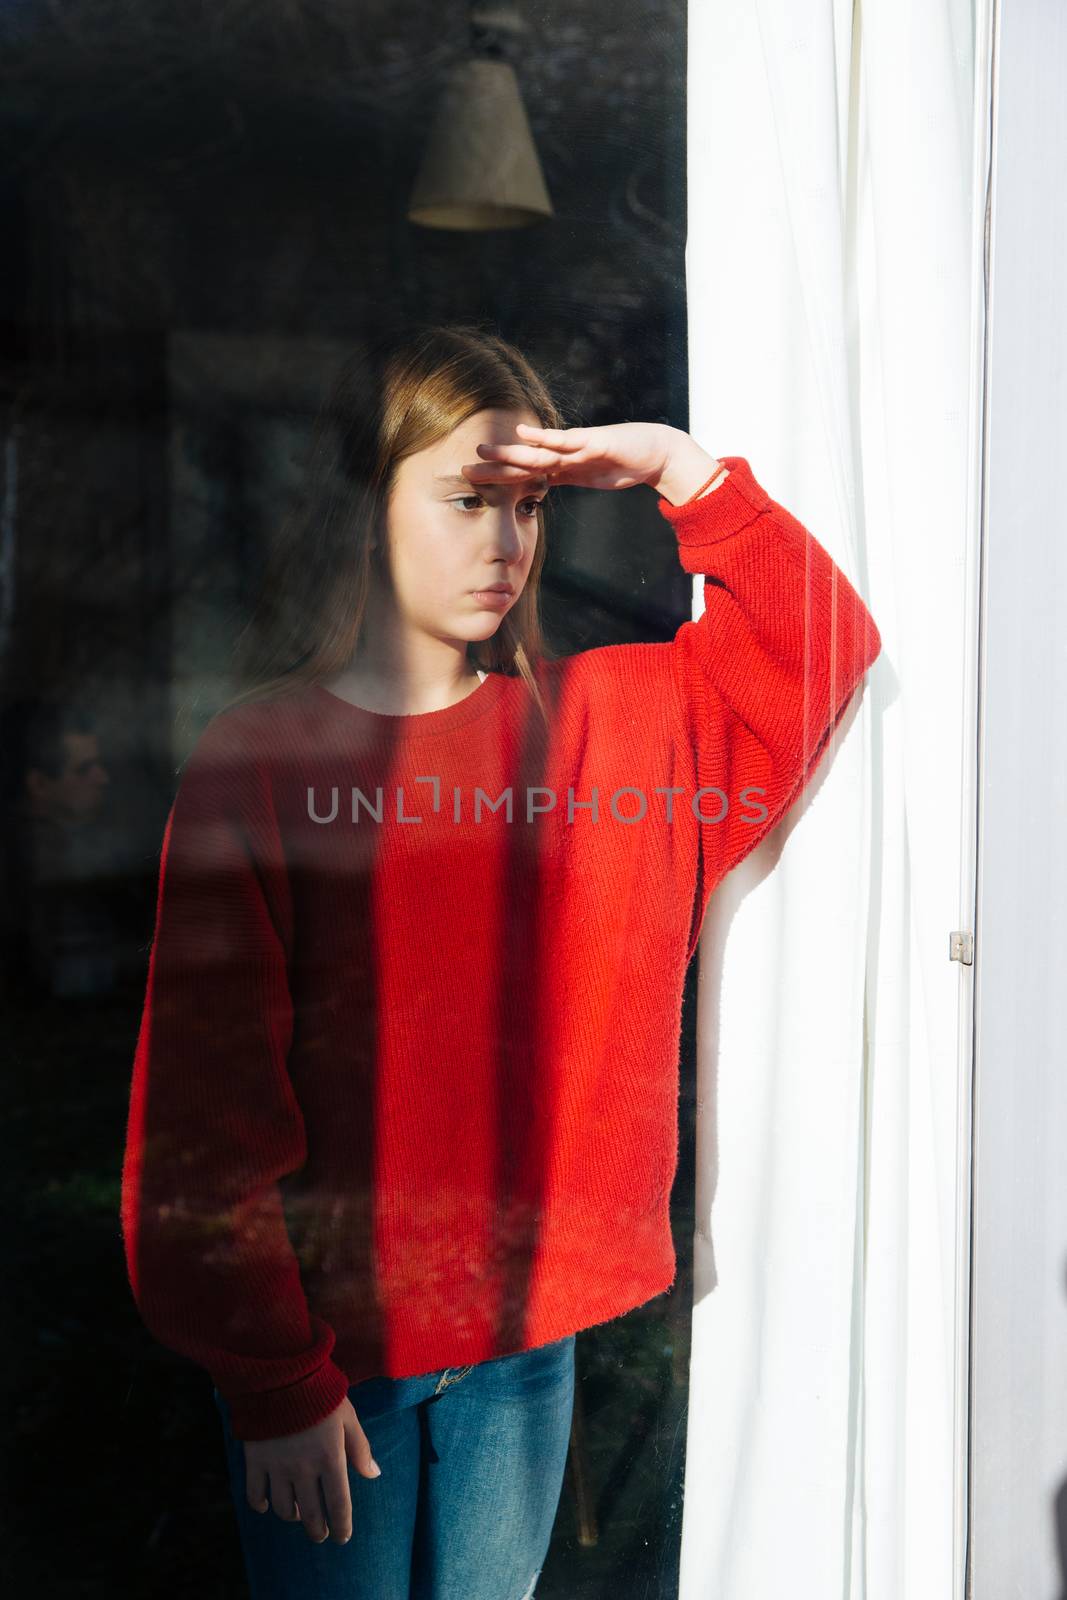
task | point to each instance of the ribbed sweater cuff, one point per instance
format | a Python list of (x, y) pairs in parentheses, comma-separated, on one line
[(272, 1413), (732, 506)]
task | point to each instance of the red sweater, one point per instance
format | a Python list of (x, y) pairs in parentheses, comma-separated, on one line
[(405, 1089)]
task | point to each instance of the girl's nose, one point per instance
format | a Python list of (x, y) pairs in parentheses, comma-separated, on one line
[(507, 534)]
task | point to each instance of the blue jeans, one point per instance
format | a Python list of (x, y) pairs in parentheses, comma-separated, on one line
[(472, 1463)]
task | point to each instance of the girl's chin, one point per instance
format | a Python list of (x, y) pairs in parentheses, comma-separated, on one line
[(483, 624)]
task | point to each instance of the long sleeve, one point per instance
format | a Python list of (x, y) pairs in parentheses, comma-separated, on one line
[(213, 1119), (765, 674)]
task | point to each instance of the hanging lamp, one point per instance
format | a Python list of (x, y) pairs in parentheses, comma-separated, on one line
[(480, 168)]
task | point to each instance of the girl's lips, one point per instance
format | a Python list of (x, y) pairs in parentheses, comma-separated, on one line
[(493, 597)]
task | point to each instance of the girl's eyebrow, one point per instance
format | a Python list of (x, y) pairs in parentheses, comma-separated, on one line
[(452, 481)]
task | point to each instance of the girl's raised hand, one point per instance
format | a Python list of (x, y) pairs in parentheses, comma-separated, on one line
[(618, 455)]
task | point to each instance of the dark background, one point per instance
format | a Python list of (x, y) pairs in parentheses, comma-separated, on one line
[(203, 211)]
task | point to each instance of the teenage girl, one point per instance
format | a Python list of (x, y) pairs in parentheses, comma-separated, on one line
[(403, 1112)]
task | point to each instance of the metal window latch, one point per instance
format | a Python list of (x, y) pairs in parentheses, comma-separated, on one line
[(961, 948)]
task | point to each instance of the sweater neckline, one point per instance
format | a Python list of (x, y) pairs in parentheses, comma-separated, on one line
[(402, 726)]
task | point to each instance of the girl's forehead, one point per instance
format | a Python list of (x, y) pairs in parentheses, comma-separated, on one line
[(485, 427)]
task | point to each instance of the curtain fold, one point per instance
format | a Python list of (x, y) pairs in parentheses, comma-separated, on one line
[(831, 342)]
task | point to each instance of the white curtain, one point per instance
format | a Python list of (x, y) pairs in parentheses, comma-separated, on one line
[(833, 300)]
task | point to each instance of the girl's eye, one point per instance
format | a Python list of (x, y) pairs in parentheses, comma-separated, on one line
[(464, 501)]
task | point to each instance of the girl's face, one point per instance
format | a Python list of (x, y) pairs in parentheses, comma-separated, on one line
[(451, 543)]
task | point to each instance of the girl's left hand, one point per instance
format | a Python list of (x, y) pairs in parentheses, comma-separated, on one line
[(616, 456)]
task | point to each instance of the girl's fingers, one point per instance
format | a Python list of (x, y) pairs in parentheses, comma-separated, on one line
[(521, 455), (256, 1487), (563, 452), (500, 472), (559, 438), (512, 461)]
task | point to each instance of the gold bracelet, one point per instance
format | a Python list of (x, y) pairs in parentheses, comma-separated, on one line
[(719, 470)]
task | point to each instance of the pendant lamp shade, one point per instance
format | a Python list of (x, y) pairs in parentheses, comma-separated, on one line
[(480, 168)]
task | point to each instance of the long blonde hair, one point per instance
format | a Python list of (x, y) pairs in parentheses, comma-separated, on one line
[(406, 393)]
